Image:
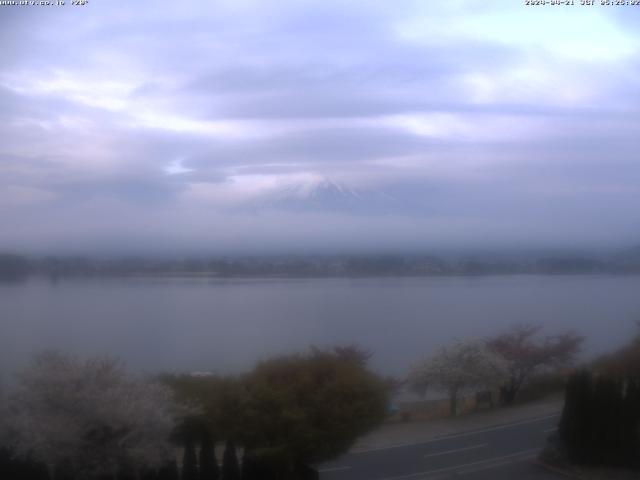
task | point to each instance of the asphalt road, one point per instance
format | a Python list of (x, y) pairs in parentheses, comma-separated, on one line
[(506, 451)]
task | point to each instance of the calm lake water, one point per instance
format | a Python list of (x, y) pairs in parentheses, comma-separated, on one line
[(226, 325)]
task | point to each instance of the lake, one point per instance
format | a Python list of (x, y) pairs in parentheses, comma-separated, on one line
[(224, 326)]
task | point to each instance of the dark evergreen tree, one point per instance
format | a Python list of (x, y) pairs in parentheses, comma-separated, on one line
[(208, 463), (630, 434), (169, 471), (64, 471), (189, 462), (305, 472), (606, 409), (230, 466), (16, 468), (616, 432), (264, 464), (149, 473), (40, 471), (6, 464), (600, 422), (575, 427), (250, 468), (127, 472)]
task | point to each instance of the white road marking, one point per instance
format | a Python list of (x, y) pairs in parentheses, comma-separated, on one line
[(456, 435), (333, 469), (497, 464), (446, 452), (496, 460)]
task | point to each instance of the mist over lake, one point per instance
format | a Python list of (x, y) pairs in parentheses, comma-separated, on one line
[(225, 326)]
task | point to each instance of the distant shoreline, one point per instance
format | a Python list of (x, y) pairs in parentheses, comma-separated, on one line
[(213, 276), (318, 266)]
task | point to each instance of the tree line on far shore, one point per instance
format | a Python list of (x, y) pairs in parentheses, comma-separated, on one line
[(14, 266)]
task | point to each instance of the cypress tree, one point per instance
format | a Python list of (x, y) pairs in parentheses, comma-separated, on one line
[(634, 402), (189, 462), (575, 427), (169, 471), (149, 473), (631, 424), (18, 468), (230, 466), (606, 406), (128, 472), (616, 431), (263, 466), (208, 464), (64, 471), (249, 467), (40, 471), (6, 464), (305, 472)]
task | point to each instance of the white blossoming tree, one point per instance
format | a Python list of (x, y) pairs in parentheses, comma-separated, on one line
[(461, 366), (90, 416)]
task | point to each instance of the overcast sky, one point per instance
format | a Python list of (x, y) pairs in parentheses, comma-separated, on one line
[(151, 125)]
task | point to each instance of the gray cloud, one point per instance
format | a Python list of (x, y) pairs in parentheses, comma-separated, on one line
[(133, 121)]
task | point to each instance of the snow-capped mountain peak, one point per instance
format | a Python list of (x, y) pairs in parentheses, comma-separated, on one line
[(325, 194)]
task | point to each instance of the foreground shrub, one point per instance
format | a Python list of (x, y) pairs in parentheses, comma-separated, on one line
[(600, 423)]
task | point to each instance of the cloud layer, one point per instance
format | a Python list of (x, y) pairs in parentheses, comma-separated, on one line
[(146, 125)]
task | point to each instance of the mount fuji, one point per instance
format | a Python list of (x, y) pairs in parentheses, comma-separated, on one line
[(326, 195)]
